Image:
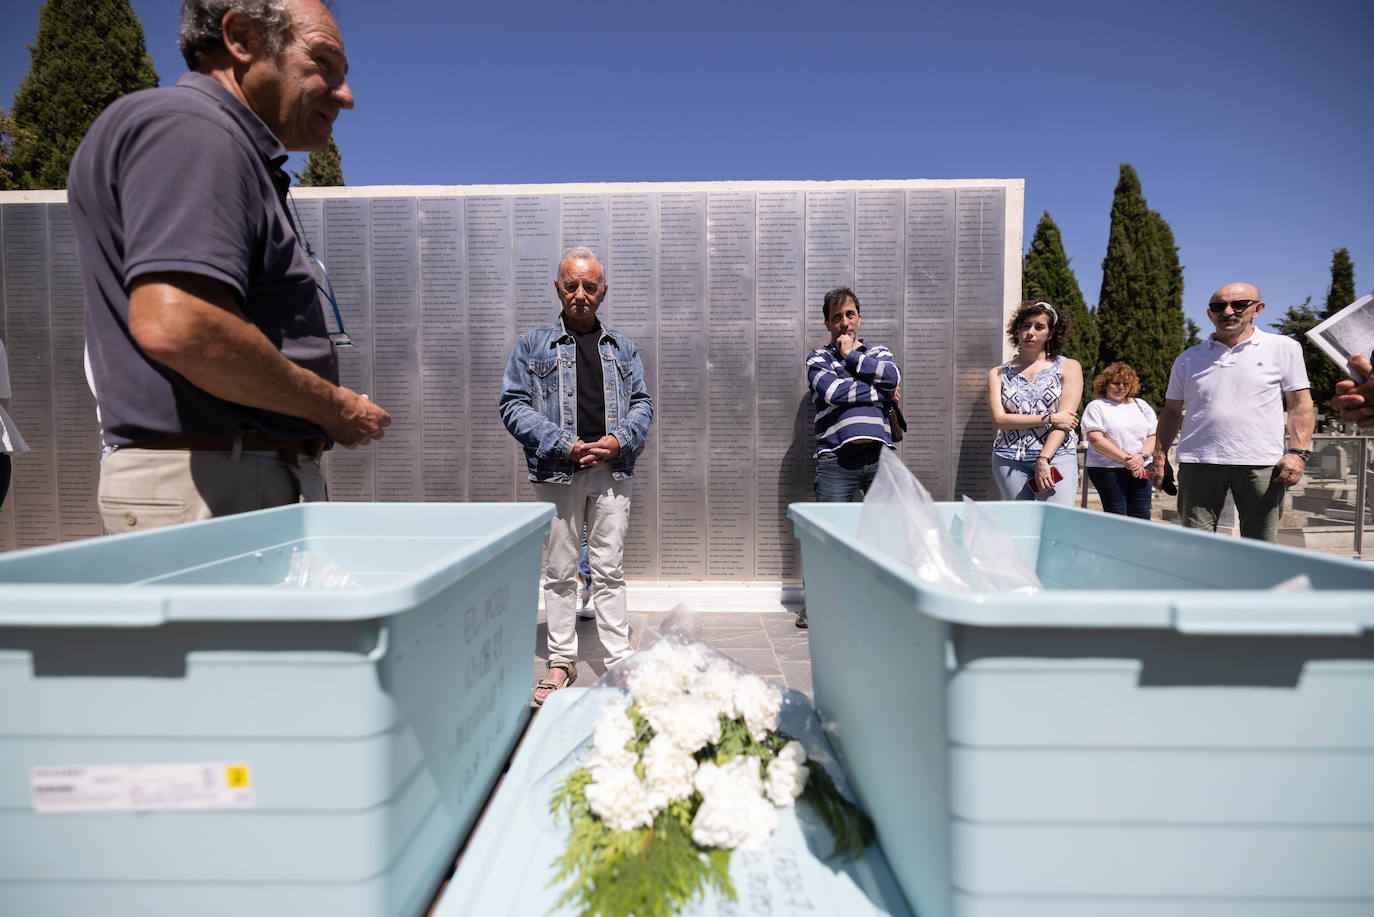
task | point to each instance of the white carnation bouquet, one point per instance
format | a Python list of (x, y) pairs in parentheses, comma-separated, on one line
[(687, 765)]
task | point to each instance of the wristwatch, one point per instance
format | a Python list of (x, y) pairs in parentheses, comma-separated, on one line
[(1304, 454)]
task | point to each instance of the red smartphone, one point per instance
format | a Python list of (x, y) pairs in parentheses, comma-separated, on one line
[(1055, 478)]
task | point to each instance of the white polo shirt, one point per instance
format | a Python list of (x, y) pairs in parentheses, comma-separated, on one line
[(1232, 398)]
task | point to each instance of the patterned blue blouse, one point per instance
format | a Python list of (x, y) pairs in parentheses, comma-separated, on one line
[(1036, 396)]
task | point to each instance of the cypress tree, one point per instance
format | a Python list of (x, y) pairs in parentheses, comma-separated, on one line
[(1047, 275), (1192, 334), (323, 169), (1341, 293), (1167, 280), (1140, 309), (87, 54), (8, 132)]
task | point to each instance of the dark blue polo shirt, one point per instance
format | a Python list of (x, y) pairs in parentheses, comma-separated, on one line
[(181, 178)]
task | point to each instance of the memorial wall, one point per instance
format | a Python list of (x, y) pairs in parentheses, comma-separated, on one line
[(718, 284)]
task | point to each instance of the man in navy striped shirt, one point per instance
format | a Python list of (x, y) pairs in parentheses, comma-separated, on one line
[(852, 383)]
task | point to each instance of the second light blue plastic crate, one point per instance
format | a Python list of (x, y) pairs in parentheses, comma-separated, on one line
[(1155, 733), (372, 722)]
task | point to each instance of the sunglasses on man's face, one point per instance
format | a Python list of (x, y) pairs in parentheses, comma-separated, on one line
[(1239, 305)]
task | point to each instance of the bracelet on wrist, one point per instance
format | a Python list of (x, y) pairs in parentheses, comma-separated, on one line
[(1303, 454)]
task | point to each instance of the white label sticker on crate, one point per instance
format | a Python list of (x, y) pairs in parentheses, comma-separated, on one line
[(140, 787)]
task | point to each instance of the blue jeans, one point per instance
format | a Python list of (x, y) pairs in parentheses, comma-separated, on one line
[(1121, 492), (1013, 479), (847, 472), (584, 564)]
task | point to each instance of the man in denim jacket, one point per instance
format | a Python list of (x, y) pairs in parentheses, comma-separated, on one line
[(574, 396)]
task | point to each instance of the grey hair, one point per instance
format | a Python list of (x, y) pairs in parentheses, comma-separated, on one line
[(581, 253), (201, 20)]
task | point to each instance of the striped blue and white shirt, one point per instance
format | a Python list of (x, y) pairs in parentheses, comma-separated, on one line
[(851, 394)]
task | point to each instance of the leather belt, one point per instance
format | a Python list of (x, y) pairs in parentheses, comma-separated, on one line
[(860, 447), (288, 450)]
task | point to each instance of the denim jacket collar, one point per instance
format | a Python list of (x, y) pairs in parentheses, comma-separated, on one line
[(564, 336)]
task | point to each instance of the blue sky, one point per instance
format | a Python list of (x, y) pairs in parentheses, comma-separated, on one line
[(1251, 124)]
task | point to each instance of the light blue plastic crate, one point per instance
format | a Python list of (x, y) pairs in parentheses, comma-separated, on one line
[(1154, 734), (373, 722)]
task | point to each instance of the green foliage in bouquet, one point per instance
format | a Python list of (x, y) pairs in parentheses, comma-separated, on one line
[(658, 870), (619, 873), (736, 740), (850, 825), (694, 768)]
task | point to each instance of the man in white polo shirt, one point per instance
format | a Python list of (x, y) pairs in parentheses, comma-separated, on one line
[(1235, 386)]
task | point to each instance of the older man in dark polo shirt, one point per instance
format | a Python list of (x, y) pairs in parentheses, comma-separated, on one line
[(214, 371)]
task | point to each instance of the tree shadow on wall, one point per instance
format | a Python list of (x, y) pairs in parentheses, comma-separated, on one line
[(973, 468), (797, 468), (796, 471)]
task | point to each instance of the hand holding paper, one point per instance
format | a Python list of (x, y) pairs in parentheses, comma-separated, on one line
[(1346, 335), (1356, 400)]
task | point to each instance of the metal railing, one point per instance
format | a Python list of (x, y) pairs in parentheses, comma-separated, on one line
[(1361, 493), (1361, 471)]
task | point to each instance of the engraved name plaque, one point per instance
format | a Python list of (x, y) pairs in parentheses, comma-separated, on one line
[(719, 285)]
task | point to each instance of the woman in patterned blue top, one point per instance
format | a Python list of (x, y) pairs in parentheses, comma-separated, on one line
[(1034, 402)]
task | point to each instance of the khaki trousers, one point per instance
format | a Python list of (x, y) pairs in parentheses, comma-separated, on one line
[(144, 489)]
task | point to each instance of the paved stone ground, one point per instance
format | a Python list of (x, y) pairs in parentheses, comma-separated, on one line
[(768, 643)]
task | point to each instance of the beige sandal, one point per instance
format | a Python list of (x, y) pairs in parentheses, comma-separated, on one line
[(548, 687)]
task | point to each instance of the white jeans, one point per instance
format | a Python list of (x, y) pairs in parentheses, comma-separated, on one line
[(603, 504)]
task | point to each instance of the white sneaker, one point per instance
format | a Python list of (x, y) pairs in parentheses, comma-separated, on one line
[(587, 614), (586, 611)]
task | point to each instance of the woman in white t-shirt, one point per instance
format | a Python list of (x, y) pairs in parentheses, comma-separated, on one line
[(1120, 430)]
